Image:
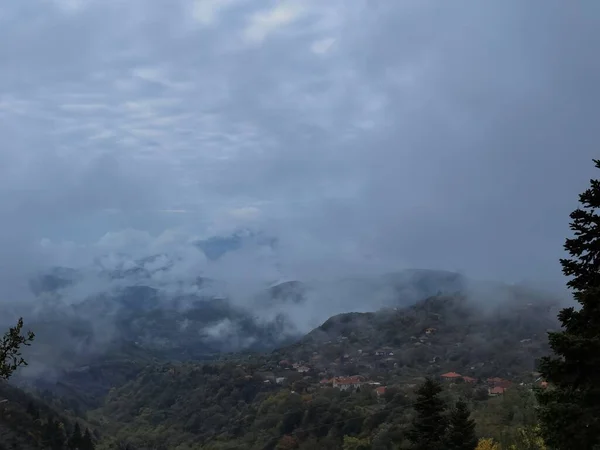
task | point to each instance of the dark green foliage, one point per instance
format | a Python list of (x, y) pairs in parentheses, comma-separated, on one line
[(461, 429), (33, 411), (87, 443), (76, 438), (54, 434), (429, 425), (10, 349), (570, 407)]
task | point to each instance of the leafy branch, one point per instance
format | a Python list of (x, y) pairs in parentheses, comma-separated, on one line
[(10, 349)]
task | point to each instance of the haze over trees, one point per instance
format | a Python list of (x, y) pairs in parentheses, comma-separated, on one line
[(240, 404)]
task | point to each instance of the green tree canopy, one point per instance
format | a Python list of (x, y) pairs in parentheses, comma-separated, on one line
[(570, 407), (429, 425), (461, 429), (76, 439)]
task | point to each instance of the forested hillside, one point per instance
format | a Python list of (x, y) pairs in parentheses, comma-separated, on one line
[(440, 333), (352, 380), (296, 394)]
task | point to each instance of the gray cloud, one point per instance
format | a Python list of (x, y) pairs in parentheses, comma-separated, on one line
[(366, 136)]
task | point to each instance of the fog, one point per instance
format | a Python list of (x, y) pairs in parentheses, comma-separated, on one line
[(362, 137)]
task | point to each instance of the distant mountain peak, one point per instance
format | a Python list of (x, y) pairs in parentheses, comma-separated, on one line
[(216, 246)]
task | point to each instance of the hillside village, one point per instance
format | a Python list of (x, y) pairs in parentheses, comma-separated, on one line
[(487, 354), (305, 378), (353, 365)]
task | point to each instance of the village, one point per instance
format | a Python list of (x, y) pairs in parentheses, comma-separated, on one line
[(396, 350), (495, 385), (354, 370)]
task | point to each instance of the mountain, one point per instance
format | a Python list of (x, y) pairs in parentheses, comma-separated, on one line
[(441, 333), (80, 315), (217, 246), (53, 280), (417, 284), (268, 400), (94, 346)]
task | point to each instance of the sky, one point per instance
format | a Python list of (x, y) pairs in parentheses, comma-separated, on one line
[(364, 135)]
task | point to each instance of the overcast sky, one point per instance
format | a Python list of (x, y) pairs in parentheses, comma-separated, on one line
[(364, 133)]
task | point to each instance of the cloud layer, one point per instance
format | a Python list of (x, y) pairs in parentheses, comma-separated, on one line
[(365, 135)]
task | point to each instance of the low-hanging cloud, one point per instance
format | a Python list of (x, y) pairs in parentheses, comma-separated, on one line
[(366, 136)]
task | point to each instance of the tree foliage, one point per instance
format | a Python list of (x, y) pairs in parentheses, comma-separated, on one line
[(353, 443), (10, 349), (529, 439), (429, 425), (570, 408), (76, 438), (487, 444), (461, 429)]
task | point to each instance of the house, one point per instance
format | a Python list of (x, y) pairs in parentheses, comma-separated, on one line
[(495, 391), (303, 369), (279, 380), (498, 382), (380, 391), (469, 380), (347, 383), (451, 376), (430, 330), (325, 382)]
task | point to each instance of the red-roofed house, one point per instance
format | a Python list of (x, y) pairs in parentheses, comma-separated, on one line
[(325, 381), (380, 391), (469, 379), (347, 383), (451, 376), (496, 391), (498, 382)]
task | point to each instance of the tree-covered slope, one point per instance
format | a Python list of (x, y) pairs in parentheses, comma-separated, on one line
[(263, 400)]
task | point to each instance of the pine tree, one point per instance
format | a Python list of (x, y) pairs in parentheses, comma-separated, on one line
[(429, 425), (87, 443), (33, 411), (461, 429), (76, 439), (54, 434), (569, 408)]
